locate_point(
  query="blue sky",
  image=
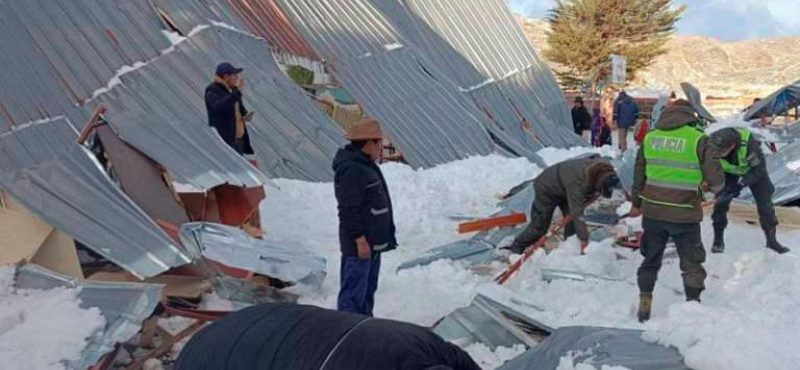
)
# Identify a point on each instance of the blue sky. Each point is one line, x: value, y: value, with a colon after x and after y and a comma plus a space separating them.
x: 729, y: 20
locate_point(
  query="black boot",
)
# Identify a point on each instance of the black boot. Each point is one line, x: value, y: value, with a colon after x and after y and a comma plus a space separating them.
x: 514, y: 248
x: 645, y: 303
x: 772, y: 240
x: 693, y: 294
x: 719, y: 241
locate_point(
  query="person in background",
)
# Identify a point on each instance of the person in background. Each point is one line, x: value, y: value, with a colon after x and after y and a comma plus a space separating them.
x: 745, y: 166
x: 366, y: 220
x: 581, y: 120
x: 673, y: 163
x: 226, y: 112
x: 625, y: 113
x: 601, y: 132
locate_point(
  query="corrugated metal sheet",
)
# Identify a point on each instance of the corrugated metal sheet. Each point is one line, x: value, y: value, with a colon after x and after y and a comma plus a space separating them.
x: 291, y: 137
x: 57, y: 53
x: 694, y: 97
x: 61, y: 183
x: 260, y: 17
x: 430, y: 123
x: 396, y: 82
x: 234, y: 247
x: 480, y: 45
x: 192, y: 155
x: 598, y: 348
x: 777, y: 103
x: 491, y: 323
x: 124, y: 307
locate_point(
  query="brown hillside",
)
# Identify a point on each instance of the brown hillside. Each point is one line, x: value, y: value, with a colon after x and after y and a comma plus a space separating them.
x: 730, y: 75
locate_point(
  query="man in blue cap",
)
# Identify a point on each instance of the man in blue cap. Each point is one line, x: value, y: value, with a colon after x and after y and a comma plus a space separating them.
x: 226, y: 112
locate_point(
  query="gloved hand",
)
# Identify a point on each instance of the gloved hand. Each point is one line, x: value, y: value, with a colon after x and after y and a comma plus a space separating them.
x: 736, y: 189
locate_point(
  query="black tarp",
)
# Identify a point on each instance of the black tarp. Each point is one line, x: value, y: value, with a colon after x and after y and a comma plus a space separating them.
x: 284, y: 336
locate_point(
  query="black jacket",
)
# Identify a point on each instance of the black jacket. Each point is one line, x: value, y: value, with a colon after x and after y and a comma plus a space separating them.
x: 365, y: 207
x: 220, y: 104
x: 581, y: 119
x: 282, y: 336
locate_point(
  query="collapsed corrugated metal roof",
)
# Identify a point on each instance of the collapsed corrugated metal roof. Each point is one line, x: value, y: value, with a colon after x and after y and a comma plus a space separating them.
x: 599, y: 348
x: 694, y: 97
x: 499, y: 69
x: 170, y: 142
x: 777, y: 103
x: 124, y: 307
x: 234, y: 247
x: 62, y: 183
x: 491, y: 323
x: 261, y: 17
x: 430, y: 123
x: 57, y: 53
x: 396, y: 83
x: 291, y: 137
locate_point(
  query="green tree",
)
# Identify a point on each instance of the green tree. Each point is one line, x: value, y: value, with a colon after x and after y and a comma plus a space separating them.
x: 584, y: 33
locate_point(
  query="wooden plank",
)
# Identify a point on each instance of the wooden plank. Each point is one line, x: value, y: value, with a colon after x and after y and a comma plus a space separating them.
x: 492, y: 222
x: 788, y: 217
x: 58, y: 254
x: 23, y: 235
x: 92, y: 124
x: 166, y: 346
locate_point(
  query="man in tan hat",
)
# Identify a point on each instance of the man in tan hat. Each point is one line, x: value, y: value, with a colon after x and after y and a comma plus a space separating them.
x: 366, y: 221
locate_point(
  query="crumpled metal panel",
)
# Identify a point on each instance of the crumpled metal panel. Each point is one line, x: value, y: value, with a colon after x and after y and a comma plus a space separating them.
x: 598, y: 347
x: 479, y: 44
x: 62, y: 183
x: 291, y: 138
x: 68, y: 49
x: 550, y: 275
x: 234, y: 247
x: 777, y: 103
x: 491, y: 323
x: 192, y: 155
x: 123, y: 305
x: 693, y: 94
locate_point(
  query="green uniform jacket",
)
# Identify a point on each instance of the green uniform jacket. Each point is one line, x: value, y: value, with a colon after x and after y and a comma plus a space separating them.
x: 672, y: 118
x: 576, y: 181
x: 756, y: 161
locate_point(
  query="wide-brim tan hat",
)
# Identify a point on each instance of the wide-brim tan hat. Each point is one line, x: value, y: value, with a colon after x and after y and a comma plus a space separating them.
x: 364, y: 129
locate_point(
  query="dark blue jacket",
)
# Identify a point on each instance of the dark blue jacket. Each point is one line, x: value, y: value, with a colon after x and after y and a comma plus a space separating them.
x: 626, y: 111
x: 365, y: 207
x: 220, y: 105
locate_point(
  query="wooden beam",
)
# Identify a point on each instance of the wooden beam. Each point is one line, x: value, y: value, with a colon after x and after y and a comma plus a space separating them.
x: 92, y: 124
x: 166, y: 346
x: 492, y: 222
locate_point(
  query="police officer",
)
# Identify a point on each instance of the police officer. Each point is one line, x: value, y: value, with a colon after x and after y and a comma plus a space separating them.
x: 672, y: 163
x: 744, y: 165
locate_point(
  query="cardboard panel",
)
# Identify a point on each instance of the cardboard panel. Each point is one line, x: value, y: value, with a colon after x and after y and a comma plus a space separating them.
x: 22, y: 235
x: 175, y: 285
x: 141, y: 179
x: 58, y: 254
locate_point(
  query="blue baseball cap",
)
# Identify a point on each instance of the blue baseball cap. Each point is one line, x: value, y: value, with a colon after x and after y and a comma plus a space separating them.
x: 224, y: 69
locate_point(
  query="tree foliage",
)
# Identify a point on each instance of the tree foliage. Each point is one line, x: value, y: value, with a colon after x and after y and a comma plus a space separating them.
x: 584, y: 33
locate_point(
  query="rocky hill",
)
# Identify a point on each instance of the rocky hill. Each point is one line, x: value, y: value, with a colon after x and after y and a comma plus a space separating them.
x: 729, y: 75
